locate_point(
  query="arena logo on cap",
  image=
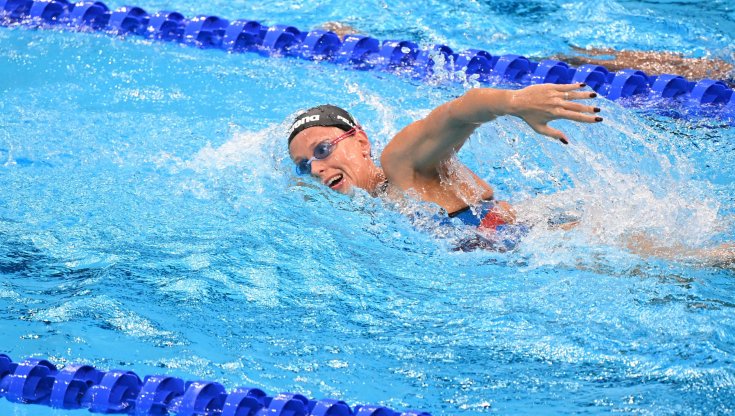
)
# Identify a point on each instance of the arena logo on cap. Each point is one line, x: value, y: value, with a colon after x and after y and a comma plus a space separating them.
x: 299, y: 123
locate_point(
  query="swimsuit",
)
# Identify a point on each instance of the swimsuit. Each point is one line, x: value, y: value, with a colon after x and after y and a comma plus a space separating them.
x: 487, y: 218
x: 493, y: 232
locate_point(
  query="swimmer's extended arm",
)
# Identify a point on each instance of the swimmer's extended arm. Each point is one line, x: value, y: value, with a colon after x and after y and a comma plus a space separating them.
x: 425, y: 144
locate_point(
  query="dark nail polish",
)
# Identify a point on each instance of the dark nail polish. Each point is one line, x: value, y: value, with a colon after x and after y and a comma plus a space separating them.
x: 563, y: 140
x: 598, y: 119
x: 593, y: 95
x: 596, y: 109
x: 582, y: 85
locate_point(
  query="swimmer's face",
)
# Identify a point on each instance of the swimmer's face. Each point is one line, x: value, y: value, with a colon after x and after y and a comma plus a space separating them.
x: 348, y: 165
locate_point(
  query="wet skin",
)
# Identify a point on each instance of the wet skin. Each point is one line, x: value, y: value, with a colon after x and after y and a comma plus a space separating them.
x: 420, y: 158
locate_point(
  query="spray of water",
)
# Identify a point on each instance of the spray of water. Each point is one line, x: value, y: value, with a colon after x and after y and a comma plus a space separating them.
x: 624, y: 185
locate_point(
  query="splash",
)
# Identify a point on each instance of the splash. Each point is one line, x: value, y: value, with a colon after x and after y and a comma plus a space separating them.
x: 630, y: 189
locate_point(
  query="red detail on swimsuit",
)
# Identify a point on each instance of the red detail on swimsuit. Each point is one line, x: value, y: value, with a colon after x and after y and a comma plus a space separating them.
x: 492, y: 220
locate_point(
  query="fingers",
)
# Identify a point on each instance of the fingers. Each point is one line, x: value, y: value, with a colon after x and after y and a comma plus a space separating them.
x: 578, y: 116
x: 559, y: 102
x: 570, y: 87
x: 567, y: 92
x: 579, y: 95
x: 551, y: 132
x: 580, y: 108
x: 576, y: 111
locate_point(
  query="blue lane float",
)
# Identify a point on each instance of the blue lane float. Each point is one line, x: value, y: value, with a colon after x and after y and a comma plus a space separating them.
x: 38, y: 381
x: 368, y: 53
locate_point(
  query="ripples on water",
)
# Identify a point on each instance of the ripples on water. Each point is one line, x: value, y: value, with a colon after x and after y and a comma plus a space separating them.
x: 150, y: 221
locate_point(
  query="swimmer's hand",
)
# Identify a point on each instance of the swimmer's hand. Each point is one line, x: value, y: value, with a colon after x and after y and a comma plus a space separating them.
x: 537, y: 105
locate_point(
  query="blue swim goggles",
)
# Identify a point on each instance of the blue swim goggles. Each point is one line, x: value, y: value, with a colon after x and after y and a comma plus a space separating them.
x: 322, y: 151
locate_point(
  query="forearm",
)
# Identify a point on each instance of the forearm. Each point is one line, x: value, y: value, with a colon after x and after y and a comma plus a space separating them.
x: 448, y: 126
x: 428, y: 142
x: 479, y: 105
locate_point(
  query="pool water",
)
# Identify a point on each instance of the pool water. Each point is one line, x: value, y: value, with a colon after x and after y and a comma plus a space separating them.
x: 151, y: 221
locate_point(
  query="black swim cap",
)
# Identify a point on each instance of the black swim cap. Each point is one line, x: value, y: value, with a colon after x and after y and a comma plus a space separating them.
x: 326, y: 115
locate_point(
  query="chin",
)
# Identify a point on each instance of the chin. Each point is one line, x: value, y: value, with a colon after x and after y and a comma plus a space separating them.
x: 345, y: 190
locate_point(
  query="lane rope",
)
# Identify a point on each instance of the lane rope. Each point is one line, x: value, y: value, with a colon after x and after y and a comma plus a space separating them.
x: 38, y: 381
x: 704, y: 98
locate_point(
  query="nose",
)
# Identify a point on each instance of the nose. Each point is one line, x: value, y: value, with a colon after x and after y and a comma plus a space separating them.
x: 317, y: 166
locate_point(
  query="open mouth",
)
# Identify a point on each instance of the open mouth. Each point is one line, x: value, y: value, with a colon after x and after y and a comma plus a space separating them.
x: 335, y: 181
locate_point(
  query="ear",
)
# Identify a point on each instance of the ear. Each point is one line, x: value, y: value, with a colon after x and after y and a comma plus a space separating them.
x: 362, y: 139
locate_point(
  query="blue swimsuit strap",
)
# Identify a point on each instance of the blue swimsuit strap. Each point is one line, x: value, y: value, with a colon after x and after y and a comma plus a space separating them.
x: 504, y: 237
x: 467, y: 215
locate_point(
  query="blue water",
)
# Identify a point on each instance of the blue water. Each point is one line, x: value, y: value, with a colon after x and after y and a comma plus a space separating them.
x: 150, y: 221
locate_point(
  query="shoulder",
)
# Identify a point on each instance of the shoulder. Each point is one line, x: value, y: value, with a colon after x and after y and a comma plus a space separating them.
x: 397, y: 157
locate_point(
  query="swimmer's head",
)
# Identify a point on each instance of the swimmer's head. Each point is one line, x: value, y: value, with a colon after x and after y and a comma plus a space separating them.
x: 327, y: 143
x: 326, y: 115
